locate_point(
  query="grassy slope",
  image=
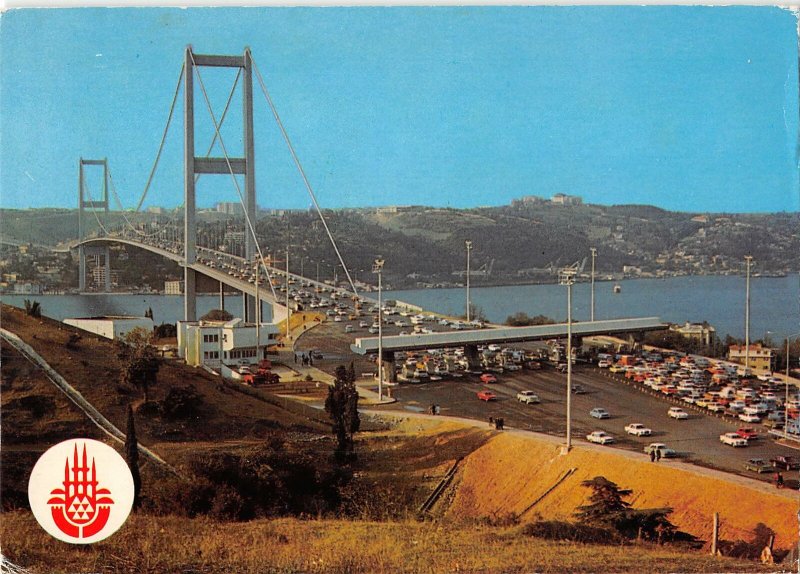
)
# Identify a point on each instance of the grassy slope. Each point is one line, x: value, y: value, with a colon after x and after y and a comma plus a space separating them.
x: 510, y: 472
x: 167, y: 545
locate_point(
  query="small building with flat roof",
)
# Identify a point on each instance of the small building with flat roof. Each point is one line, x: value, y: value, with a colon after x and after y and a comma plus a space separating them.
x: 214, y: 343
x: 110, y: 326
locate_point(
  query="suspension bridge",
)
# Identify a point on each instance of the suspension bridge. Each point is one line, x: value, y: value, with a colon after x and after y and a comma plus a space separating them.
x: 176, y: 239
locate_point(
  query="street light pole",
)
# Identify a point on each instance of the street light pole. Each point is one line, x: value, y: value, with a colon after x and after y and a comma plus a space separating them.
x: 749, y: 260
x: 288, y: 311
x: 567, y: 277
x: 468, y: 243
x: 594, y: 255
x: 258, y: 313
x: 378, y: 268
x: 786, y: 389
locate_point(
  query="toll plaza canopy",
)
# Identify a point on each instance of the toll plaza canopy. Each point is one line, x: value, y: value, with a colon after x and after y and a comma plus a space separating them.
x: 416, y: 342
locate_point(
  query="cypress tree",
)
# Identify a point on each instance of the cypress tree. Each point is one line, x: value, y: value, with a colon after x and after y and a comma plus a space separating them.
x: 132, y: 457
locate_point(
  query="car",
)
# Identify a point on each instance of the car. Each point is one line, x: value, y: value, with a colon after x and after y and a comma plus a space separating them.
x: 528, y: 397
x: 732, y: 439
x: 245, y: 370
x: 337, y: 319
x: 373, y: 330
x: 578, y: 390
x: 665, y: 451
x: 487, y: 396
x: 749, y: 418
x: 758, y: 465
x: 348, y: 328
x: 600, y: 437
x: 638, y: 429
x: 487, y: 378
x: 599, y: 413
x: 785, y: 463
x: 603, y: 363
x: 677, y: 413
x: 747, y: 432
x: 363, y: 324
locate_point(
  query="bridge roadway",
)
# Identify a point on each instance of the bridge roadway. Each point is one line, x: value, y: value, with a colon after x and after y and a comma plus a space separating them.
x: 505, y: 335
x: 264, y: 292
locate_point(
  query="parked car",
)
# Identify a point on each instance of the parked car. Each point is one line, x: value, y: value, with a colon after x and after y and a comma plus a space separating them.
x: 244, y: 370
x: 600, y: 437
x: 677, y: 413
x: 528, y: 397
x: 748, y: 418
x: 599, y: 413
x: 758, y: 465
x: 487, y: 396
x: 348, y: 329
x: 747, y: 433
x: 487, y: 378
x: 785, y: 463
x: 578, y: 390
x: 603, y: 363
x: 665, y: 451
x: 638, y: 429
x: 732, y: 439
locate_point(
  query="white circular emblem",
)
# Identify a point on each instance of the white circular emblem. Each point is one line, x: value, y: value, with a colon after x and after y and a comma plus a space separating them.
x: 81, y: 491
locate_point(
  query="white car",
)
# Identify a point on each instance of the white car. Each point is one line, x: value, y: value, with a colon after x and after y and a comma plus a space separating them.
x: 528, y: 397
x: 638, y: 429
x: 660, y: 447
x: 599, y: 413
x: 603, y: 363
x: 677, y: 413
x: 600, y: 437
x: 749, y: 418
x: 732, y: 439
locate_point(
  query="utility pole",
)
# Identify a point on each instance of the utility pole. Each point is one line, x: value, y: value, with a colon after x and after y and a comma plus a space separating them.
x: 567, y: 277
x: 377, y: 267
x: 594, y: 255
x: 258, y: 313
x: 749, y: 260
x: 468, y: 243
x: 288, y: 311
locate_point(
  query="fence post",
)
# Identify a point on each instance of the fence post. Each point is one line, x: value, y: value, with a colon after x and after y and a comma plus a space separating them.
x: 715, y: 534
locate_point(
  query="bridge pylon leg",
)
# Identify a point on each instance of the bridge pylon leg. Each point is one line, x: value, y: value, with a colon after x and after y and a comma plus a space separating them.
x: 189, y: 294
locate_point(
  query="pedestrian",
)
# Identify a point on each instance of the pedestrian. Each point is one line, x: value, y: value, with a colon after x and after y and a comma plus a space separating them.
x: 658, y: 455
x: 491, y: 421
x: 652, y: 456
x: 778, y: 480
x: 295, y: 358
x: 437, y: 409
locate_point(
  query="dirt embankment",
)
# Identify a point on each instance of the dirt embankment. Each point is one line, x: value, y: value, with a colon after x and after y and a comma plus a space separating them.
x: 510, y: 472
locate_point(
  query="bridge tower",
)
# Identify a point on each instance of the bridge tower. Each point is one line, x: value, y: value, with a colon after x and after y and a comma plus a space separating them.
x: 216, y: 165
x: 84, y: 205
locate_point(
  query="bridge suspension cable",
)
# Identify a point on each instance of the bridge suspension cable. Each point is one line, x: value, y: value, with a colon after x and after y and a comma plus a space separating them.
x: 302, y: 173
x: 235, y: 181
x: 163, y: 139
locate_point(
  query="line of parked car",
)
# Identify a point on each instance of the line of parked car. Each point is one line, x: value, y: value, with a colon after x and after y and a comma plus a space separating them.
x: 716, y: 386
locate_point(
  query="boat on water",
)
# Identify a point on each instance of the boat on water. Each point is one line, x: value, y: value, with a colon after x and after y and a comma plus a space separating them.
x: 617, y: 288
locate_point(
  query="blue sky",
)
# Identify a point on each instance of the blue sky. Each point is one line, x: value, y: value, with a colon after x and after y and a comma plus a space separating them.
x: 687, y: 108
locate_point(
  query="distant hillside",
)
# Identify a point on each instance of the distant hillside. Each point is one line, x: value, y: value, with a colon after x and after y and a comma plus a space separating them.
x: 520, y: 243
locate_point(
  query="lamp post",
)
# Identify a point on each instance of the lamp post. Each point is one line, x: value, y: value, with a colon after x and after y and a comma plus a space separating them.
x: 566, y: 277
x: 258, y: 312
x: 786, y: 389
x: 749, y: 260
x: 288, y: 311
x: 377, y: 267
x: 594, y: 255
x: 468, y: 243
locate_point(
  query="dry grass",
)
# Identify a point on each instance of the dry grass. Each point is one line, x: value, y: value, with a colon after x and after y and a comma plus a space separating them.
x: 167, y: 545
x: 510, y: 472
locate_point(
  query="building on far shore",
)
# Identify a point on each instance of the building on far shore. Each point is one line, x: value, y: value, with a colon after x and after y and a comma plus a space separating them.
x: 702, y: 332
x: 173, y: 287
x: 111, y: 327
x: 564, y: 199
x: 759, y: 358
x: 214, y: 343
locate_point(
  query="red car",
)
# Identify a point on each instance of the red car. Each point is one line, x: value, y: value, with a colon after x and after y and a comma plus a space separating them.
x: 487, y: 396
x: 747, y: 432
x: 487, y: 378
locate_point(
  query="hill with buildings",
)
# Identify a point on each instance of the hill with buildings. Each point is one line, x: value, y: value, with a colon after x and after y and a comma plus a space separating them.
x: 525, y: 242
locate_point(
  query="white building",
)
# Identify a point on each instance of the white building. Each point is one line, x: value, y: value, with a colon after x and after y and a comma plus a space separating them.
x: 173, y: 287
x: 111, y: 327
x: 213, y: 343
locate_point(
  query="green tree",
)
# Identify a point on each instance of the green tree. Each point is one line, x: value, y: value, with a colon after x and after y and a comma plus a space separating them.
x: 342, y: 407
x: 523, y: 320
x: 606, y: 504
x: 132, y: 456
x: 33, y: 308
x: 217, y: 315
x: 138, y: 360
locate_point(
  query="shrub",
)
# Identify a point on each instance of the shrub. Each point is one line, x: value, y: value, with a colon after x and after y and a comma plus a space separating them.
x: 181, y: 403
x: 558, y: 530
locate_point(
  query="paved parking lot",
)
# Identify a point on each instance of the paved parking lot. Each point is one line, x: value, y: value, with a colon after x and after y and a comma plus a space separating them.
x: 695, y: 440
